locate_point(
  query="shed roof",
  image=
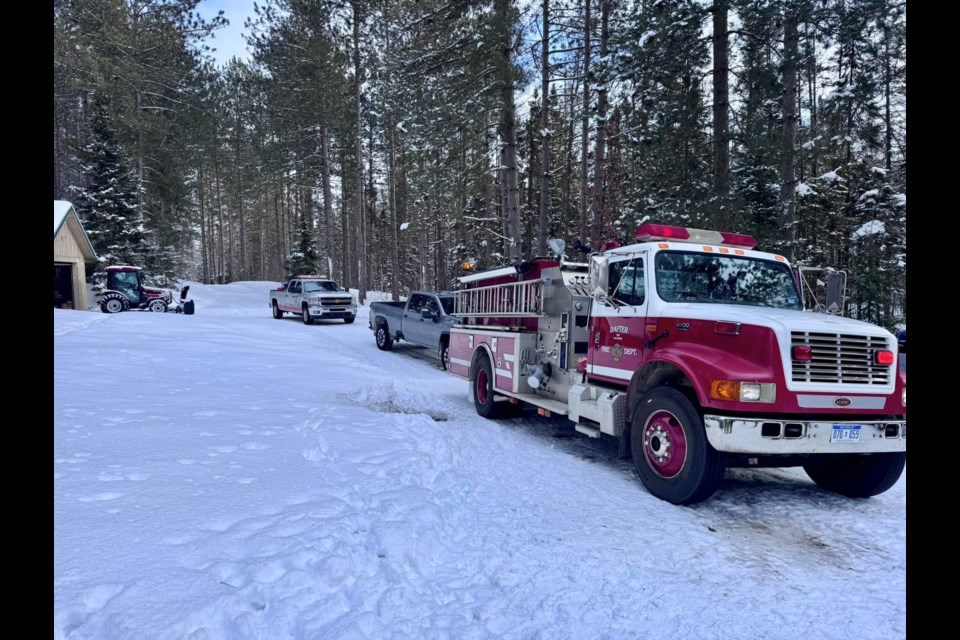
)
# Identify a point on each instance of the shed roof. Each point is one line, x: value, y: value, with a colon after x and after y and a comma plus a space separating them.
x: 63, y: 211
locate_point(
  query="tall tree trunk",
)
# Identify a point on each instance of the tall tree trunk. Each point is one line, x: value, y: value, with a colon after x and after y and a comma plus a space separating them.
x: 721, y: 122
x: 392, y: 201
x: 222, y: 262
x: 887, y: 81
x: 279, y: 223
x: 585, y: 142
x: 361, y: 253
x: 204, y: 266
x: 812, y: 93
x: 424, y: 248
x: 787, y: 180
x: 545, y: 136
x: 327, y: 201
x: 242, y: 271
x: 508, y: 132
x: 600, y: 154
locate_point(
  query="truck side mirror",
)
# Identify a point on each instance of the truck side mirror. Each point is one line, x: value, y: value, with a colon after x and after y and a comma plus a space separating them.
x: 836, y: 291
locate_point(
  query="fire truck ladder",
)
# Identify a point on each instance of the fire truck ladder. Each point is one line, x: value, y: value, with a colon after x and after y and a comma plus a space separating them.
x: 502, y: 300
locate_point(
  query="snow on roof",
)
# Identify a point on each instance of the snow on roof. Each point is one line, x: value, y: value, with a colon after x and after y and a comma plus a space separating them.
x: 60, y: 210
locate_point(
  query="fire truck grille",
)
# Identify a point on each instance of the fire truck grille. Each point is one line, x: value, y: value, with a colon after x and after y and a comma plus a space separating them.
x: 336, y: 302
x: 841, y: 358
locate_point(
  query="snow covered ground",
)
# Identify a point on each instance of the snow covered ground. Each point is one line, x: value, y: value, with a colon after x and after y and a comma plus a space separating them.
x: 228, y: 475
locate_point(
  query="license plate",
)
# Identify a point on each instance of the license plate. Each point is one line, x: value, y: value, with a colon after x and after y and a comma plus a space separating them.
x: 845, y: 433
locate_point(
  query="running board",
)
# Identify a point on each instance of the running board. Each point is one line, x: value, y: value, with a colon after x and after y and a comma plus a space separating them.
x: 586, y: 429
x: 552, y: 406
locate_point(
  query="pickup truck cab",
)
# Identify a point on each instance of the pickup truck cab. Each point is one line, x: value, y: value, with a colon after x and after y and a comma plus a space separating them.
x: 313, y: 298
x: 424, y: 319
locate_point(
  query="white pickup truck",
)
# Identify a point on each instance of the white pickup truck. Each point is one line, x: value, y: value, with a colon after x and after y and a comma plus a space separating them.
x: 313, y: 298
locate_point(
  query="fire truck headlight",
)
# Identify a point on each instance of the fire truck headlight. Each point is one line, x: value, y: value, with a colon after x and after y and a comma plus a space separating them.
x: 749, y: 392
x: 734, y: 391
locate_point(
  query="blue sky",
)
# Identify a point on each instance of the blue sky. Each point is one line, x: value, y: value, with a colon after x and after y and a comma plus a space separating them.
x: 228, y: 41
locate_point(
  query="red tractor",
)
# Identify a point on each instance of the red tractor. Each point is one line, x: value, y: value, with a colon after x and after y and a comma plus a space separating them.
x: 125, y: 291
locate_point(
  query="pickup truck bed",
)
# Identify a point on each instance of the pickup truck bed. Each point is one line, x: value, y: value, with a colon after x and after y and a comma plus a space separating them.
x: 424, y: 319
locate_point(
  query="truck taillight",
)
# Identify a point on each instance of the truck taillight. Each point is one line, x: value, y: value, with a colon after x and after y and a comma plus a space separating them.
x: 802, y: 353
x: 884, y: 357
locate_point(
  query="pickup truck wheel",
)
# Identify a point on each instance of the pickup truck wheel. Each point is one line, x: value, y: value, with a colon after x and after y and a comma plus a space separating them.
x: 857, y: 476
x: 482, y: 381
x: 307, y: 318
x: 445, y: 356
x: 671, y: 453
x: 384, y: 341
x: 277, y: 313
x: 349, y: 320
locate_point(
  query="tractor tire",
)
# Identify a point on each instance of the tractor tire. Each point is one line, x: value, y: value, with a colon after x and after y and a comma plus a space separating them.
x: 384, y: 341
x: 857, y: 476
x: 114, y: 303
x: 671, y: 453
x: 157, y: 306
x: 277, y: 313
x: 305, y: 315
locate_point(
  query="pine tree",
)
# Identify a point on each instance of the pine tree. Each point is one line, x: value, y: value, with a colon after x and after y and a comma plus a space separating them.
x: 109, y: 204
x: 305, y: 259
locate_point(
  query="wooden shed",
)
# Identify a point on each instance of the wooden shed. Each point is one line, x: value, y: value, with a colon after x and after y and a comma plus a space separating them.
x: 72, y: 250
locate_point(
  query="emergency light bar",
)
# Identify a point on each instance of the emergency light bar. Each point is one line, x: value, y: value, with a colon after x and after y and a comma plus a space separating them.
x: 686, y: 234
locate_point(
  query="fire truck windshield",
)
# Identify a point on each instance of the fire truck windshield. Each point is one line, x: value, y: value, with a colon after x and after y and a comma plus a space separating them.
x: 725, y: 279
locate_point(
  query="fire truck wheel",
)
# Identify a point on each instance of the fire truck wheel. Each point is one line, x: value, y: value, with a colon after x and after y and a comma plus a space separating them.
x: 384, y: 341
x: 277, y: 313
x: 307, y: 318
x: 670, y: 449
x: 857, y: 476
x: 482, y: 381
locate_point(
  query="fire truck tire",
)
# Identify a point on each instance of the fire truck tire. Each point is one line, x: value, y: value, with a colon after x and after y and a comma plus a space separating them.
x: 157, y: 306
x: 857, y: 476
x: 671, y: 453
x: 305, y: 314
x: 482, y: 380
x: 384, y: 341
x: 113, y: 303
x: 277, y: 313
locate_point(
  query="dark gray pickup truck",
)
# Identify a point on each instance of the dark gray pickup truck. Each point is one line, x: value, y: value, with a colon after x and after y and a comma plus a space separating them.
x: 424, y: 319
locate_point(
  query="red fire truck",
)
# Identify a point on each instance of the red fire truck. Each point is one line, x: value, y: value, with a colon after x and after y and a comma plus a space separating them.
x: 694, y: 349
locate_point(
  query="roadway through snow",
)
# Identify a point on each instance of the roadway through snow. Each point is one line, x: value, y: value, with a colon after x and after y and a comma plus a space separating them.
x: 227, y: 475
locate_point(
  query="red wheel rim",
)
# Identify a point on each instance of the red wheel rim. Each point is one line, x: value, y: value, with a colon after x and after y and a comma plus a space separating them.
x: 482, y: 386
x: 664, y: 444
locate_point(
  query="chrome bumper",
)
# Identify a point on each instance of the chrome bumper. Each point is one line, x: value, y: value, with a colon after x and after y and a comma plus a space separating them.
x: 779, y: 436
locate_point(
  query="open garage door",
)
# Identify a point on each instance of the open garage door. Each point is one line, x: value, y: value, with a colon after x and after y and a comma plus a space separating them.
x: 63, y: 286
